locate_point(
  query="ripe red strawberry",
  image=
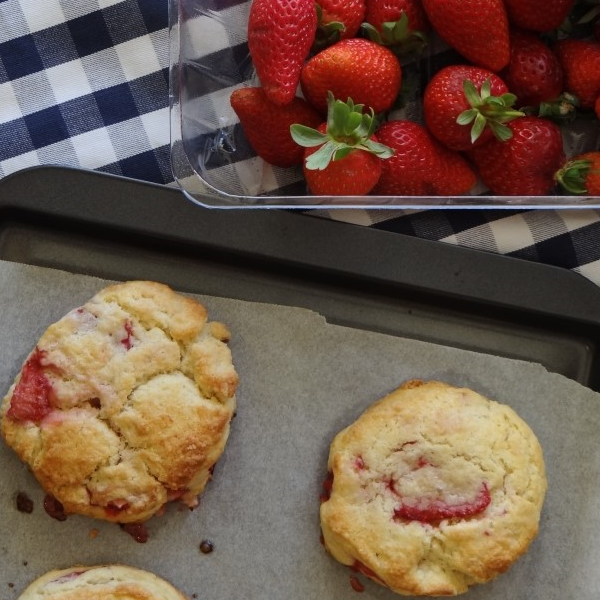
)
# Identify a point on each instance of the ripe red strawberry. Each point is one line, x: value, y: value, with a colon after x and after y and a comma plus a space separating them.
x: 338, y: 20
x: 477, y: 29
x: 280, y: 36
x: 534, y: 74
x: 580, y: 61
x: 581, y: 174
x: 421, y: 166
x: 342, y: 157
x: 538, y: 15
x: 525, y: 164
x: 357, y: 68
x: 267, y: 126
x: 460, y: 95
x: 401, y: 24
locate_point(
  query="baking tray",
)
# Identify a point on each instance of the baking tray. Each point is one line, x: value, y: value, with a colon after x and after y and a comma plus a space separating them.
x: 117, y: 228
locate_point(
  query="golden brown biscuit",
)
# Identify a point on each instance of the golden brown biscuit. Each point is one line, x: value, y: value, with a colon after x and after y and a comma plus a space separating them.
x: 125, y: 403
x: 102, y: 582
x: 433, y: 489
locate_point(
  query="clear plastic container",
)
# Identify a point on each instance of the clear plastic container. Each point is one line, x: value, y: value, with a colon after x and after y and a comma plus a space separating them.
x: 211, y: 159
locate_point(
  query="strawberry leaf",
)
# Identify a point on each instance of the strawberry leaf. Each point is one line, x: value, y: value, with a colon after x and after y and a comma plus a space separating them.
x: 486, y: 89
x: 338, y: 113
x: 341, y: 152
x: 478, y: 127
x: 326, y: 34
x: 365, y: 128
x: 397, y: 35
x: 380, y: 150
x: 353, y: 122
x: 306, y: 136
x: 371, y: 33
x: 590, y: 15
x: 322, y: 157
x: 471, y: 93
x: 467, y: 116
x: 502, y: 132
x: 508, y: 99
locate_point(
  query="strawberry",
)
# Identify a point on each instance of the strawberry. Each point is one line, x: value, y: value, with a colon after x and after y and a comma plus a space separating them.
x: 338, y: 20
x: 267, y: 126
x: 538, y: 15
x: 356, y: 68
x: 280, y: 36
x: 342, y: 157
x: 580, y: 61
x: 477, y: 29
x: 581, y: 174
x: 459, y: 95
x: 525, y: 164
x: 401, y: 24
x: 534, y: 74
x: 421, y: 166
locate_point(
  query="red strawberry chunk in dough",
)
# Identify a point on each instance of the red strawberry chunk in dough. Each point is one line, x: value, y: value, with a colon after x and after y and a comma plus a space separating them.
x: 429, y: 510
x: 33, y: 396
x: 126, y: 341
x: 68, y: 577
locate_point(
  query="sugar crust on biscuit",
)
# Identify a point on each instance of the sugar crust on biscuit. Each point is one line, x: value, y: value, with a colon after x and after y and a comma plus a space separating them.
x: 433, y: 489
x: 125, y: 403
x: 101, y: 582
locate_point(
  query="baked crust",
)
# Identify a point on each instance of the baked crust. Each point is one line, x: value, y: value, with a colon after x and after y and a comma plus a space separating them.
x: 125, y: 403
x: 102, y: 582
x: 435, y: 488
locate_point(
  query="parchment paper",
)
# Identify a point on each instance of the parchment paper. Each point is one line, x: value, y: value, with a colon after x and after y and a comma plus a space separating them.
x: 301, y: 381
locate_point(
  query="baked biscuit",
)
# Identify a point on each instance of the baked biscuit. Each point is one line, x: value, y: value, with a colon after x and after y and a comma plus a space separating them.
x: 102, y: 582
x: 125, y: 403
x: 433, y: 489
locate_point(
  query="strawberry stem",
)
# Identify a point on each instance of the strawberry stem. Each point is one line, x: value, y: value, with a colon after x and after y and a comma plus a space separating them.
x: 562, y: 110
x: 348, y: 128
x: 488, y: 111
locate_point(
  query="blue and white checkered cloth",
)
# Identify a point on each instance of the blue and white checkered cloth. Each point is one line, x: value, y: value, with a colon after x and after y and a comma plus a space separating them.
x: 84, y: 83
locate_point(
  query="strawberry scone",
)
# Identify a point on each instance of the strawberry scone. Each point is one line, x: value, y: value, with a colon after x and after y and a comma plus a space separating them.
x: 433, y: 489
x: 125, y: 403
x: 102, y: 582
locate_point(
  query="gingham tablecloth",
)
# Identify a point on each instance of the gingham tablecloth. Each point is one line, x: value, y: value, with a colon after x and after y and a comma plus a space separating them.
x: 84, y: 83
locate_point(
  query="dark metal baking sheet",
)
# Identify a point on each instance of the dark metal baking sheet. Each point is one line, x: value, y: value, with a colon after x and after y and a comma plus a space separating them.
x: 112, y: 227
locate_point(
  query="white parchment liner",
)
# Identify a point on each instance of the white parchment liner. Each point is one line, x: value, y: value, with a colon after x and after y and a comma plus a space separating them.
x: 301, y: 381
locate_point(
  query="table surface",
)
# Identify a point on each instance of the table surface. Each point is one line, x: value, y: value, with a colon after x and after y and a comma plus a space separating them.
x: 85, y: 84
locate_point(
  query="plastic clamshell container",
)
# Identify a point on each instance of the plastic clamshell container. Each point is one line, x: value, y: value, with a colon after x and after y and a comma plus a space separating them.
x: 215, y: 166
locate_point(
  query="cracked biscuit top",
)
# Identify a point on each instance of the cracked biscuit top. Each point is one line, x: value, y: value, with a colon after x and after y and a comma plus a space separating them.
x: 125, y: 403
x: 101, y: 582
x: 433, y: 489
